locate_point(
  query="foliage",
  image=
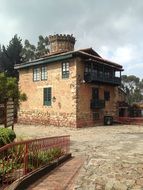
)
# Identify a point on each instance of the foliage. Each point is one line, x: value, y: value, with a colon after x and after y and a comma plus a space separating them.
x: 6, y: 172
x: 13, y: 161
x: 9, y: 89
x: 35, y: 160
x: 6, y: 136
x: 41, y: 158
x: 42, y: 46
x: 16, y: 53
x: 31, y: 52
x: 7, y: 168
x: 28, y: 51
x: 11, y: 55
x: 133, y: 87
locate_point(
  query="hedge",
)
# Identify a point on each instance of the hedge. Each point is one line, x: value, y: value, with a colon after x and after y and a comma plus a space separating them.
x: 6, y: 136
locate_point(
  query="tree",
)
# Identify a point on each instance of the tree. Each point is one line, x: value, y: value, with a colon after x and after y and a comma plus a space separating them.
x: 133, y: 87
x: 9, y: 89
x: 1, y: 64
x: 31, y: 52
x: 42, y: 46
x: 28, y: 51
x: 15, y: 53
x: 10, y: 56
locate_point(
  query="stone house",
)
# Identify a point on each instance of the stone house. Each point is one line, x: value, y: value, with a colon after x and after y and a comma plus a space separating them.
x: 68, y: 87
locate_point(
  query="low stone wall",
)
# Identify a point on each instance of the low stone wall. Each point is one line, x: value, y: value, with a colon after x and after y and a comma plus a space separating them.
x: 130, y: 120
x: 88, y: 123
x: 57, y: 119
x: 46, y: 118
x: 85, y: 119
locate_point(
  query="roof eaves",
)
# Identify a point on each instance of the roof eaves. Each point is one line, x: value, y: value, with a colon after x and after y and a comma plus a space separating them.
x: 45, y: 60
x: 91, y: 50
x: 101, y: 59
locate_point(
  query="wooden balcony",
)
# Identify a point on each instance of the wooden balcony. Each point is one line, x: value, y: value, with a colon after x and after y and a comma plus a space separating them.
x: 97, y: 104
x: 93, y: 78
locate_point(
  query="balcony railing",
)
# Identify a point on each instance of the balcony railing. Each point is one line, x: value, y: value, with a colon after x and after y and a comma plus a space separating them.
x: 91, y: 77
x: 97, y: 104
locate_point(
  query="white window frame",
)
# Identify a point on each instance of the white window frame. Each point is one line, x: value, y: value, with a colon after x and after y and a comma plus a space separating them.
x: 44, y: 73
x: 36, y: 74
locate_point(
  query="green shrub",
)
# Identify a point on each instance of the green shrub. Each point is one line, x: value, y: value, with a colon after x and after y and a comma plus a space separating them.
x: 44, y: 157
x: 6, y: 136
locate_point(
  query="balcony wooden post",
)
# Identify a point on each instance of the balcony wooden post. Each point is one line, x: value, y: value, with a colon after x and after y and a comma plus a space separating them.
x: 103, y: 72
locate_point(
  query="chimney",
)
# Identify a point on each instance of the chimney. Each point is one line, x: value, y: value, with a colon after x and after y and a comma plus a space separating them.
x: 61, y: 43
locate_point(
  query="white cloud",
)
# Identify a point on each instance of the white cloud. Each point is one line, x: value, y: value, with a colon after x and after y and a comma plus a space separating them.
x: 129, y: 56
x: 113, y: 28
x: 8, y: 28
x: 123, y: 54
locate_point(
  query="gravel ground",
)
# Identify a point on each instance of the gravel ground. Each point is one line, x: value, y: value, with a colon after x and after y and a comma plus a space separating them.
x: 113, y: 154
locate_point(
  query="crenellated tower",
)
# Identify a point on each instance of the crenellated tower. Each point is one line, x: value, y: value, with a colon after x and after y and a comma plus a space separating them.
x: 61, y: 43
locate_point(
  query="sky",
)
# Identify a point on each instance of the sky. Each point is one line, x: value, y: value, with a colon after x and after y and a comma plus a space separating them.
x: 113, y: 28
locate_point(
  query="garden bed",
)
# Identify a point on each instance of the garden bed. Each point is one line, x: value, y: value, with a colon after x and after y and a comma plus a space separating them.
x: 32, y: 177
x: 19, y: 159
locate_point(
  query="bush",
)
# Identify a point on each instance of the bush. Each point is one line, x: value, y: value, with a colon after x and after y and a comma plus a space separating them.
x: 6, y: 136
x: 42, y: 158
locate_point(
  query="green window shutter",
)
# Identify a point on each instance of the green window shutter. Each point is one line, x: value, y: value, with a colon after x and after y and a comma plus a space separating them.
x: 47, y: 96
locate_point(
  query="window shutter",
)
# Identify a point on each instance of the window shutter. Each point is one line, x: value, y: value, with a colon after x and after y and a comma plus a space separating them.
x: 47, y: 96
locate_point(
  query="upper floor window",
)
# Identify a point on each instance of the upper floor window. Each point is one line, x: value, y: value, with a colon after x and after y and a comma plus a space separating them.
x: 36, y: 74
x: 87, y: 68
x: 94, y: 71
x: 100, y: 71
x: 106, y: 95
x: 43, y: 73
x: 65, y: 70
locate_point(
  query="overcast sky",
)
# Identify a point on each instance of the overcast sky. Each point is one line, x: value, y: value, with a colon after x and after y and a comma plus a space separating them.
x: 113, y: 28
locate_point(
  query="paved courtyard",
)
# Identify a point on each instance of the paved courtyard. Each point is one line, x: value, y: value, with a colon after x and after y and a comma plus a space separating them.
x: 113, y: 154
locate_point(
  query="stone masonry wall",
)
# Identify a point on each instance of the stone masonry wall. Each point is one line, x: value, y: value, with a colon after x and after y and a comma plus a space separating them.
x: 84, y: 93
x: 62, y: 112
x: 73, y: 96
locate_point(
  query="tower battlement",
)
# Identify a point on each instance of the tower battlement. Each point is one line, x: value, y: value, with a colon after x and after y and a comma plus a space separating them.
x: 61, y: 43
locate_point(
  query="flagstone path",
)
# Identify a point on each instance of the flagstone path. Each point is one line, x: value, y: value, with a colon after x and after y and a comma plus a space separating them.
x: 113, y: 155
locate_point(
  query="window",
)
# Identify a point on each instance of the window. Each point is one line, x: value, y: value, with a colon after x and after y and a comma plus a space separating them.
x: 40, y: 73
x: 65, y: 70
x: 94, y: 71
x: 95, y: 93
x: 47, y: 96
x: 43, y: 73
x: 88, y: 68
x: 36, y: 74
x: 106, y: 95
x: 100, y: 71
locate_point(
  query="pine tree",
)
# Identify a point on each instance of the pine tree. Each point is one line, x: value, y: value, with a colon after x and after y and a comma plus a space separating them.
x: 11, y: 55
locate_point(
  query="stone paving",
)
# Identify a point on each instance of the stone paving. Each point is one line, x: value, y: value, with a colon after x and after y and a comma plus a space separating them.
x: 113, y: 155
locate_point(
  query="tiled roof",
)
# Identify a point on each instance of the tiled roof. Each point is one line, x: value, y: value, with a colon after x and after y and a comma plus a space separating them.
x: 85, y: 53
